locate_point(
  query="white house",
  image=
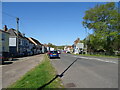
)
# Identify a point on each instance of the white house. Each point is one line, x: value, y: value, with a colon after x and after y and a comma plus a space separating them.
x: 78, y: 47
x: 4, y: 45
x: 68, y: 49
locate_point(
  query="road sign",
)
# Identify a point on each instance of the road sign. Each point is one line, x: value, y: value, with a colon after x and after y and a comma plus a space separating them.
x: 80, y: 45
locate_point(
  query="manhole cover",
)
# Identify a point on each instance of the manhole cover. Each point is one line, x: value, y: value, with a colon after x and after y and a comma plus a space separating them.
x: 70, y: 85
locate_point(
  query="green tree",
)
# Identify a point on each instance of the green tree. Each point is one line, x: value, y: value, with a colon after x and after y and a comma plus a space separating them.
x: 104, y: 21
x: 51, y: 45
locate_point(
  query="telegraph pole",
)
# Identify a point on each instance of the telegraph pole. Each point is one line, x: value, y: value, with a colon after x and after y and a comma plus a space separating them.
x: 86, y: 40
x: 17, y: 19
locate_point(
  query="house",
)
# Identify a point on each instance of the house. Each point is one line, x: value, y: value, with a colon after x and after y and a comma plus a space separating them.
x: 31, y: 46
x: 25, y: 44
x: 78, y: 46
x: 68, y: 49
x: 4, y: 45
x: 37, y: 48
x: 47, y: 48
x: 43, y: 49
x: 18, y: 44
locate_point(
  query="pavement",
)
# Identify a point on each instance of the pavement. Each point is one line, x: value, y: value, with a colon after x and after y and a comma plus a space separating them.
x: 13, y: 70
x: 87, y: 72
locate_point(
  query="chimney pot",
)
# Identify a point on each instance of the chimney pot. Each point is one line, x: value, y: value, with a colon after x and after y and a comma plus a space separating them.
x: 5, y: 28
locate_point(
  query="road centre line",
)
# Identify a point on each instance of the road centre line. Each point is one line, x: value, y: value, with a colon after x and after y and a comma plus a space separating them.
x: 97, y: 59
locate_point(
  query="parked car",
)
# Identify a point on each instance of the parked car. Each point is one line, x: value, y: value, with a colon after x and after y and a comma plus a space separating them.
x: 59, y: 52
x: 67, y: 51
x: 53, y: 54
x: 29, y: 53
x: 21, y: 54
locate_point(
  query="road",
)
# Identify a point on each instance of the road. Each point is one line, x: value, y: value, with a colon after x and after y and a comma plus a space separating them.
x: 13, y: 70
x: 88, y: 72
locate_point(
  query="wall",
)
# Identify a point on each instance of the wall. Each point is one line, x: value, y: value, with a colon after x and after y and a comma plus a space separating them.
x: 4, y: 42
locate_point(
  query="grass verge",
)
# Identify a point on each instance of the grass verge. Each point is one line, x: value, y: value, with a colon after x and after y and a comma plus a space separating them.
x: 38, y: 76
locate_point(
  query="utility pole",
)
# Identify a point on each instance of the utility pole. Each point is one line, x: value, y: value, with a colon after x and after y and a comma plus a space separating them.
x: 17, y: 19
x: 86, y: 47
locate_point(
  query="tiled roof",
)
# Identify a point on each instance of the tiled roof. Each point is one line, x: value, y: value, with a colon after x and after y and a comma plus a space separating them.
x: 45, y: 45
x: 13, y: 32
x: 4, y: 31
x: 77, y: 41
x: 36, y: 42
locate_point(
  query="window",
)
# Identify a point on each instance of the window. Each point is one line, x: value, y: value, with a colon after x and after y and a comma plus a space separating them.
x: 3, y: 48
x: 3, y: 37
x: 20, y: 41
x: 53, y: 51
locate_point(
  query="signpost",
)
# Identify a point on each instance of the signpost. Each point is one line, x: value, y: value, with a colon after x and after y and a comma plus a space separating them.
x: 80, y: 46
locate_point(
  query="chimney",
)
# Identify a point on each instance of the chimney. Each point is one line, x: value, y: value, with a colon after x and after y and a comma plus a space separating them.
x: 5, y: 28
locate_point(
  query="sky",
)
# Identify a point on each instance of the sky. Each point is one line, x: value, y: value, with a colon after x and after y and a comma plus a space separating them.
x: 59, y: 23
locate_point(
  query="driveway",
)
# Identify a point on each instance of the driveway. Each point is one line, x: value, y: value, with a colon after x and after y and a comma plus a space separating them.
x: 13, y: 70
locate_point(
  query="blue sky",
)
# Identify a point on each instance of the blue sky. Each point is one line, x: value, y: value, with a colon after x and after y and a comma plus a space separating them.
x: 59, y: 23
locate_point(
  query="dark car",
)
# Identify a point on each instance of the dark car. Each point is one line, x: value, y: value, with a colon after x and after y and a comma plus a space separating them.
x: 53, y: 54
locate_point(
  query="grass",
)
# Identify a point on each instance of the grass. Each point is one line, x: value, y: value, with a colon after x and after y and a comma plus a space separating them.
x: 38, y: 76
x: 97, y: 55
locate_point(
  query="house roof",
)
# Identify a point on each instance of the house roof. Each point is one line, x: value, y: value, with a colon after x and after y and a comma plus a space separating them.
x: 13, y: 32
x: 29, y: 40
x: 77, y: 41
x: 68, y: 47
x: 36, y: 42
x: 45, y: 45
x: 4, y: 31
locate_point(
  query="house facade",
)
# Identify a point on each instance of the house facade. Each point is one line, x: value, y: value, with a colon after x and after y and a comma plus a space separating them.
x: 47, y: 48
x: 18, y: 43
x: 31, y: 47
x: 68, y: 49
x: 4, y: 45
x: 78, y: 46
x: 37, y: 48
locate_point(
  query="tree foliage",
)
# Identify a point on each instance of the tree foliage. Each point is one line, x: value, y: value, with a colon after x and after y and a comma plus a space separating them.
x: 104, y: 21
x: 55, y: 47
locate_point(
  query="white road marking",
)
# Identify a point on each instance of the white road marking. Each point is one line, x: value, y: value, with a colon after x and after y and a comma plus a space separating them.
x: 97, y: 59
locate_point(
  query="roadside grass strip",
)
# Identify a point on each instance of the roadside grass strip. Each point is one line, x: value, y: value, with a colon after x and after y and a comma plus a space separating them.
x: 39, y: 76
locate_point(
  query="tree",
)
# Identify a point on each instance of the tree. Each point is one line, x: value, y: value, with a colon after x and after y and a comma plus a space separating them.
x: 52, y: 46
x: 104, y: 21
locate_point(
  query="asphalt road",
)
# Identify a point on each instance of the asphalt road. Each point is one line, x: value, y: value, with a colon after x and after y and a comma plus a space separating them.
x: 88, y: 72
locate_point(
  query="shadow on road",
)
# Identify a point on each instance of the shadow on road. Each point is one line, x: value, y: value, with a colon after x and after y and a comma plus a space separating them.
x: 14, y: 59
x: 6, y: 63
x: 55, y: 58
x: 49, y: 82
x: 61, y: 75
